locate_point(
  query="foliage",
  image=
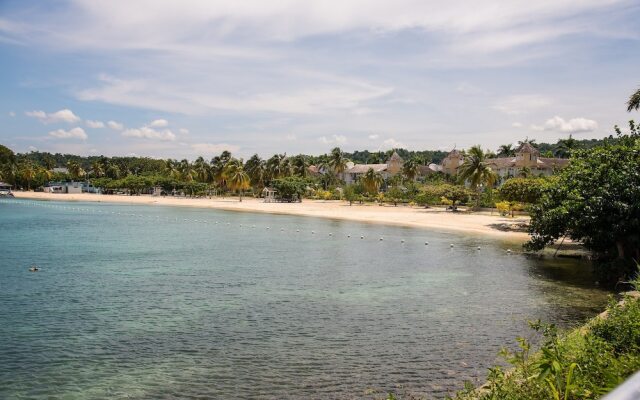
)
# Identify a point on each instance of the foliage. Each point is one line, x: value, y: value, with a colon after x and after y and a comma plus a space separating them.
x: 523, y: 190
x: 581, y: 364
x: 595, y: 200
x: 290, y: 188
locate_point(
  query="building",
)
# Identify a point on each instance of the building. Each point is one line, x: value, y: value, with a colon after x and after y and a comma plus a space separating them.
x: 392, y: 167
x: 527, y: 158
x: 64, y: 187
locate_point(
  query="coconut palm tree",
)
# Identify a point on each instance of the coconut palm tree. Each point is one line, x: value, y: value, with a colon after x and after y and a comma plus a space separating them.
x: 278, y: 166
x: 236, y: 177
x: 337, y: 161
x: 45, y: 173
x: 28, y: 173
x: 634, y: 101
x: 187, y: 173
x: 300, y: 166
x: 506, y: 150
x: 97, y: 168
x: 475, y: 170
x: 565, y: 147
x: 410, y: 169
x: 202, y: 170
x: 372, y: 181
x: 75, y: 170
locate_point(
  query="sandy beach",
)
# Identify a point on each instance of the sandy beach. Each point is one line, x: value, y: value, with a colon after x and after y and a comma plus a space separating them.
x: 480, y: 223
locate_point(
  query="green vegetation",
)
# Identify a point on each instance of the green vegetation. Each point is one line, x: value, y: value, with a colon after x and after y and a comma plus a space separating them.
x: 596, y: 201
x: 583, y: 363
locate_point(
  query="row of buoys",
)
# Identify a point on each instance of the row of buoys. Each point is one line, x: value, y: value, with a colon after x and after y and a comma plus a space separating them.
x: 41, y: 204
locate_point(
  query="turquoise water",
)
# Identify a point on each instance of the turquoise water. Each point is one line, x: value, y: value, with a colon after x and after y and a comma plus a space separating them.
x: 148, y: 302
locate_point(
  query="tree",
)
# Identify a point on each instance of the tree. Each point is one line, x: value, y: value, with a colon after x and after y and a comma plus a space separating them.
x: 595, y: 200
x: 506, y: 150
x: 256, y: 168
x: 337, y: 161
x: 97, y: 168
x: 565, y: 147
x: 634, y: 101
x: 455, y: 193
x: 28, y: 173
x: 236, y: 177
x: 410, y: 169
x: 300, y: 166
x: 475, y: 170
x: 290, y: 188
x: 202, y: 170
x: 372, y: 181
x: 75, y: 170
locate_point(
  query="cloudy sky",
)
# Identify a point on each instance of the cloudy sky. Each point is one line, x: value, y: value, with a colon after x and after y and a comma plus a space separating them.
x: 187, y: 78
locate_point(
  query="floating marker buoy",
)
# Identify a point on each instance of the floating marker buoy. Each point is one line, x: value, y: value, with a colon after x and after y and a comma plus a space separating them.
x: 508, y: 250
x: 313, y: 232
x: 381, y: 239
x: 478, y: 247
x: 361, y: 237
x: 402, y: 241
x: 297, y: 230
x: 348, y: 236
x: 426, y: 243
x: 330, y: 234
x: 451, y: 245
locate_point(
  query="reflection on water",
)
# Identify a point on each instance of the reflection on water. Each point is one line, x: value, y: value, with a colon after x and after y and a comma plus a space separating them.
x: 153, y: 302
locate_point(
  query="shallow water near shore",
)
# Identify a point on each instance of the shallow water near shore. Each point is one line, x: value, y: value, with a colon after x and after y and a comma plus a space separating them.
x: 166, y: 302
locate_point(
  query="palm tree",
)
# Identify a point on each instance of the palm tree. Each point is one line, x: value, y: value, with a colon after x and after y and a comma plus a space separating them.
x: 278, y: 166
x: 98, y: 169
x: 565, y: 147
x: 28, y: 173
x: 236, y: 177
x: 256, y: 168
x: 410, y: 169
x: 506, y: 150
x: 113, y: 171
x: 75, y: 170
x: 45, y: 173
x: 634, y: 101
x: 300, y: 166
x: 186, y: 170
x: 49, y: 162
x: 202, y: 170
x: 372, y: 181
x: 337, y: 161
x: 475, y: 170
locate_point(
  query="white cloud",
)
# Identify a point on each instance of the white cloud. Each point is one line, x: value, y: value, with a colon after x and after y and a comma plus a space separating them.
x: 146, y: 132
x: 33, y: 148
x: 116, y: 126
x: 393, y: 144
x: 64, y: 115
x: 12, y: 114
x: 522, y: 104
x: 159, y: 123
x: 517, y: 125
x: 94, y: 124
x: 574, y: 125
x: 334, y: 139
x: 374, y: 137
x: 211, y: 148
x: 75, y: 133
x: 183, y: 131
x: 291, y: 137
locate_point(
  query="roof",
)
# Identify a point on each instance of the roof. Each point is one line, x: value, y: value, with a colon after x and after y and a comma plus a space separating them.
x: 502, y: 162
x: 3, y: 184
x: 363, y: 168
x: 454, y: 152
x: 395, y: 157
x: 61, y: 170
x: 526, y: 147
x: 553, y: 162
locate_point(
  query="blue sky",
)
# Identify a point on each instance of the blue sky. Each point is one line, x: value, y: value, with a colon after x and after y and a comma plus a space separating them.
x: 187, y: 78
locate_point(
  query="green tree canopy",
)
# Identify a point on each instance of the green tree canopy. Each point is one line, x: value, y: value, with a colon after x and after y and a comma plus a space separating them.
x: 595, y: 200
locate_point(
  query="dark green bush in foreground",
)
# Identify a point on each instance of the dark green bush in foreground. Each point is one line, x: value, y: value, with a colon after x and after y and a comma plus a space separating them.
x: 581, y: 364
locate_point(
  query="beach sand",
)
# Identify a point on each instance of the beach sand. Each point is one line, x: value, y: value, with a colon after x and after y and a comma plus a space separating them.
x: 480, y: 223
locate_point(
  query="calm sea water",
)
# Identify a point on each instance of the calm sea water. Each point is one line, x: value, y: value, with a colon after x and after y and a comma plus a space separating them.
x: 144, y: 302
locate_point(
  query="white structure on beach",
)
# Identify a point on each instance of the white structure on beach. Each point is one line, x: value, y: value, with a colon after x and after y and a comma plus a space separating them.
x: 392, y: 167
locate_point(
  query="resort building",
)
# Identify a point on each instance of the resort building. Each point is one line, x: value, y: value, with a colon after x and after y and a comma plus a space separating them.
x: 527, y: 158
x: 392, y: 167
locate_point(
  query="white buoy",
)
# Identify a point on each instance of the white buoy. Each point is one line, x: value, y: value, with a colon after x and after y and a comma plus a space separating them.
x: 267, y: 227
x: 381, y: 239
x: 426, y: 243
x: 361, y: 237
x: 478, y: 247
x: 451, y: 245
x: 348, y: 236
x: 508, y: 250
x: 330, y: 234
x: 313, y: 232
x: 297, y: 230
x: 402, y: 241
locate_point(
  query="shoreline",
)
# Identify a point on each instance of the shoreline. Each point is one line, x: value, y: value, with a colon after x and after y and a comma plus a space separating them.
x: 480, y: 223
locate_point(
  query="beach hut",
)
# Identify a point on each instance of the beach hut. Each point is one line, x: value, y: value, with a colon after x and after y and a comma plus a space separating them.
x: 269, y: 195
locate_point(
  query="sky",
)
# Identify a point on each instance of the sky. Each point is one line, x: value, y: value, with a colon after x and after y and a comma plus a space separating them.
x: 184, y: 78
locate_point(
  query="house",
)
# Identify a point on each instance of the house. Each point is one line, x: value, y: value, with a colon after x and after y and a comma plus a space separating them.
x: 5, y: 190
x: 527, y: 158
x: 64, y: 187
x: 392, y: 167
